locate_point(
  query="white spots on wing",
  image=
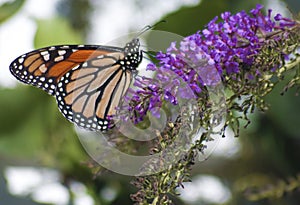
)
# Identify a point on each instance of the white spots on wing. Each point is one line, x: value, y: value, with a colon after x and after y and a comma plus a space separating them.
x: 44, y: 53
x: 85, y: 64
x: 62, y: 52
x: 46, y: 57
x: 59, y: 58
x: 74, y: 68
x: 43, y: 68
x: 65, y: 47
x: 67, y: 75
x: 21, y: 60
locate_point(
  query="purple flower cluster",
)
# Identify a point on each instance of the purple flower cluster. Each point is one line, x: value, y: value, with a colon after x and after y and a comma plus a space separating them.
x: 151, y: 94
x: 223, y: 48
x: 229, y: 44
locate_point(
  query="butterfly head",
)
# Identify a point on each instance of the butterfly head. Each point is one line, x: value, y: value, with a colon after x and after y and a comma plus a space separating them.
x: 133, y: 54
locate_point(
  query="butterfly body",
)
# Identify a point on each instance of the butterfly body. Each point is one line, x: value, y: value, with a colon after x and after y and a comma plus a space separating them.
x: 88, y: 81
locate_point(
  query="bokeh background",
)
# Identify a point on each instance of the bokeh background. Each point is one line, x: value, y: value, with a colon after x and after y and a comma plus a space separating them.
x: 41, y: 159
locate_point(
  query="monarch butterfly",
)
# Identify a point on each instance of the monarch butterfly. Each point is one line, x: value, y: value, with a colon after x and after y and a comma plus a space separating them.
x: 88, y: 81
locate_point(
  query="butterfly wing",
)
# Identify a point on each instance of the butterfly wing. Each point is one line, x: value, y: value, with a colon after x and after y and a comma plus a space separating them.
x: 88, y: 81
x: 44, y: 67
x: 91, y: 91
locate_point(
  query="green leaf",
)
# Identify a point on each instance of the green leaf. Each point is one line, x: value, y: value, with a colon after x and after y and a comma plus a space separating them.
x: 189, y: 20
x: 8, y: 9
x: 21, y: 127
x: 285, y: 110
x: 55, y: 31
x: 32, y: 127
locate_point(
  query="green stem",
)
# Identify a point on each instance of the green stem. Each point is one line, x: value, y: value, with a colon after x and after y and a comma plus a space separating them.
x: 289, y: 66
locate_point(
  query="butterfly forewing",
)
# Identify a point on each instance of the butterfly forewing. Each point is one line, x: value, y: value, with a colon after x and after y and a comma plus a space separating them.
x: 44, y: 67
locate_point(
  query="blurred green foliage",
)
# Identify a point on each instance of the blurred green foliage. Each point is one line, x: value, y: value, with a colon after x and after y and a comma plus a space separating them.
x: 8, y: 9
x: 189, y: 20
x: 33, y: 132
x: 78, y: 14
x: 55, y: 31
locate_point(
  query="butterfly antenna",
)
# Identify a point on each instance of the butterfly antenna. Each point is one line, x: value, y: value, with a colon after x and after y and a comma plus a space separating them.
x: 149, y: 27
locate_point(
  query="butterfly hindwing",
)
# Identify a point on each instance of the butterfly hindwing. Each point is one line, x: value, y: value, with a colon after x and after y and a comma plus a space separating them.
x: 89, y: 93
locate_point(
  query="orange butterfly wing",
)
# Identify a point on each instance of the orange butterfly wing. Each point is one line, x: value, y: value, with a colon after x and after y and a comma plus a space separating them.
x: 89, y: 93
x: 88, y: 81
x: 44, y: 67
